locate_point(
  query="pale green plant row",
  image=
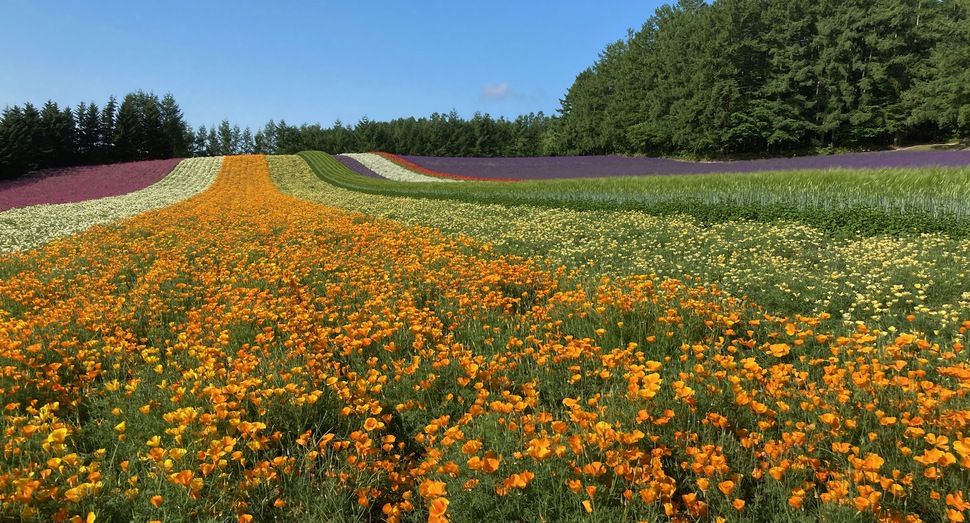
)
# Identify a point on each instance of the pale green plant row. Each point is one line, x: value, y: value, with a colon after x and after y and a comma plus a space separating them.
x: 786, y: 267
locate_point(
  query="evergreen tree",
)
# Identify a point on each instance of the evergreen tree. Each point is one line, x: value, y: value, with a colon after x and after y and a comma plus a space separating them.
x: 666, y: 121
x: 176, y: 130
x: 246, y: 144
x: 200, y: 145
x: 783, y: 109
x: 899, y: 43
x: 259, y: 143
x: 265, y: 139
x: 56, y: 145
x: 106, y: 144
x: 235, y: 140
x: 19, y: 130
x: 153, y: 142
x: 212, y: 143
x: 128, y: 132
x: 342, y: 139
x: 941, y: 91
x: 769, y: 76
x: 88, y: 118
x: 227, y: 144
x: 369, y: 136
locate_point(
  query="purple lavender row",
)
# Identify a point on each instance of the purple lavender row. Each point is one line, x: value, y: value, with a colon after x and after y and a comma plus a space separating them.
x: 357, y: 167
x: 600, y: 166
x: 77, y: 184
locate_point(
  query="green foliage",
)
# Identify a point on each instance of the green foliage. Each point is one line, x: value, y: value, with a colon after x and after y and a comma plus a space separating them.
x: 766, y: 77
x: 88, y: 119
x: 178, y: 135
x: 142, y: 128
x: 148, y: 128
x: 126, y: 137
x: 222, y: 140
x: 941, y: 95
x: 56, y: 144
x: 438, y: 135
x: 19, y: 132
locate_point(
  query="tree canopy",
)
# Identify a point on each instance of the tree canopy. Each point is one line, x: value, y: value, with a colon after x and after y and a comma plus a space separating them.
x: 775, y: 76
x: 143, y: 127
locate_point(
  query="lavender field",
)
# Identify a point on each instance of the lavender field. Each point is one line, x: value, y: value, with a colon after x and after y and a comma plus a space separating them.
x: 545, y: 168
x: 76, y: 184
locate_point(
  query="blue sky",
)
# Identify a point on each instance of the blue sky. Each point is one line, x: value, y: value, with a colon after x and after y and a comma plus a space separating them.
x: 309, y: 62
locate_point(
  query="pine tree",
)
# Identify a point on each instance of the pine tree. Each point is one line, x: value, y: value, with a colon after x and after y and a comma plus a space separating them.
x: 88, y: 118
x: 235, y: 140
x: 174, y: 127
x: 127, y: 137
x: 200, y: 146
x: 56, y: 146
x: 246, y: 142
x: 783, y: 107
x: 19, y: 132
x: 265, y: 140
x: 226, y: 143
x: 213, y: 147
x: 153, y: 141
x: 107, y: 136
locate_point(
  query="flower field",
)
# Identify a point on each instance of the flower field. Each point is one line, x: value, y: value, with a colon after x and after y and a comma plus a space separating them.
x: 787, y: 267
x: 27, y: 227
x: 841, y: 201
x: 82, y: 183
x: 249, y: 354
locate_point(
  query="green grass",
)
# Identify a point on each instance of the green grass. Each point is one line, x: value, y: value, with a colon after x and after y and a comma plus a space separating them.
x: 840, y: 202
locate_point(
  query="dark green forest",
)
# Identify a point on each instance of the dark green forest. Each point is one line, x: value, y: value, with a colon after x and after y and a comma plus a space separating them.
x: 770, y: 77
x: 142, y: 127
x: 725, y: 79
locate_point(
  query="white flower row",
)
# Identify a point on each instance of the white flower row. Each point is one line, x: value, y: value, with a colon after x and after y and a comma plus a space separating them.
x: 391, y: 170
x: 28, y: 227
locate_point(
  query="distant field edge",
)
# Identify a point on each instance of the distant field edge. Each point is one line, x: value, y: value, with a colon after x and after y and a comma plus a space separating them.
x: 843, y: 202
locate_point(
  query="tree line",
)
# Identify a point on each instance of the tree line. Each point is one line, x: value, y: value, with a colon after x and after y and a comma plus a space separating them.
x: 775, y: 76
x: 146, y: 127
x: 142, y: 127
x: 438, y: 135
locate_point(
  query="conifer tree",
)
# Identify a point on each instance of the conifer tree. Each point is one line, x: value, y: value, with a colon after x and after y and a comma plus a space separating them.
x: 19, y: 134
x: 200, y: 146
x: 57, y: 129
x: 153, y: 141
x: 88, y: 118
x: 177, y: 132
x: 107, y: 136
x: 127, y: 137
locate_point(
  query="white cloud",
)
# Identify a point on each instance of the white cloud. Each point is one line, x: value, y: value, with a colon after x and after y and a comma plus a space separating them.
x: 496, y: 91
